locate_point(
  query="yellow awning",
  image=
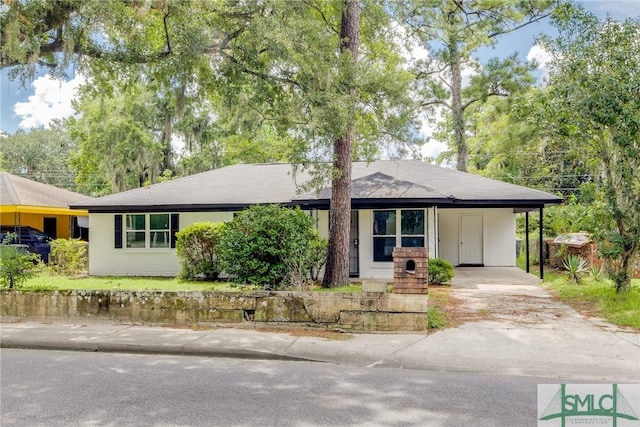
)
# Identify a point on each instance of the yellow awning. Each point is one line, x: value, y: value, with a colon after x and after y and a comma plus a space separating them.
x: 45, y: 210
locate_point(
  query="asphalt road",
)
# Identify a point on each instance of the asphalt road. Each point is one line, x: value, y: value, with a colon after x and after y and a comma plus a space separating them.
x: 56, y: 388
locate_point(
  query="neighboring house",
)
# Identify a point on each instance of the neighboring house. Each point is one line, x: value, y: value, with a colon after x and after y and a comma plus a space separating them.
x: 24, y: 202
x: 464, y: 218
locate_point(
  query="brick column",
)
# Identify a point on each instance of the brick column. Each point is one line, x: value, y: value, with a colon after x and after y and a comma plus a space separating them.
x: 410, y: 270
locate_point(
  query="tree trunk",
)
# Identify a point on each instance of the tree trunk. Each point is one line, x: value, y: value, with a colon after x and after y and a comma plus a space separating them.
x: 337, y: 267
x: 456, y: 107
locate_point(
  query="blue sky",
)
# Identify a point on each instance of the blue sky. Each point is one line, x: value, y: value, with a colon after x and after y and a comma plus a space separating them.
x: 44, y: 99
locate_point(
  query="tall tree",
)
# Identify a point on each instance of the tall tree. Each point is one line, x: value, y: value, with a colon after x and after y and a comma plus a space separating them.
x: 454, y: 30
x: 117, y: 148
x: 337, y: 267
x: 288, y: 65
x: 39, y: 154
x: 593, y: 103
x: 506, y: 142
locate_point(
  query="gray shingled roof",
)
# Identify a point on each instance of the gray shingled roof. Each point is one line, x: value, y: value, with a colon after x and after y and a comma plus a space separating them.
x: 387, y: 181
x: 450, y: 183
x: 19, y: 191
x: 379, y: 185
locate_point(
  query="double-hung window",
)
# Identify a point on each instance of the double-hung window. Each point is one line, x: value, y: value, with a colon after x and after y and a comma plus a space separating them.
x: 147, y: 231
x: 412, y: 228
x: 384, y: 235
x: 135, y: 231
x: 387, y: 223
x: 159, y: 231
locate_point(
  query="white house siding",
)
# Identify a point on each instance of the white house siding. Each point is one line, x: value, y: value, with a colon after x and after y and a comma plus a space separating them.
x: 441, y: 235
x: 106, y: 260
x: 321, y: 219
x: 499, y: 233
x: 432, y: 231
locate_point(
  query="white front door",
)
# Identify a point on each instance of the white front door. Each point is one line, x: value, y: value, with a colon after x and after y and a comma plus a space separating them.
x: 471, y: 240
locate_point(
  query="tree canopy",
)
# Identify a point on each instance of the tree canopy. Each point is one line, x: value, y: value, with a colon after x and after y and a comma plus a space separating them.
x: 455, y: 30
x: 323, y: 76
x: 39, y: 154
x: 593, y: 94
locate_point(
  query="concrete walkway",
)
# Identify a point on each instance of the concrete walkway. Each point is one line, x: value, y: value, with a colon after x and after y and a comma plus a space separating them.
x: 509, y: 327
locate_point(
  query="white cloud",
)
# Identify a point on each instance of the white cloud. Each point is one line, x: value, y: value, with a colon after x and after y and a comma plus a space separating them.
x: 542, y: 58
x: 538, y: 54
x: 51, y: 100
x: 409, y: 45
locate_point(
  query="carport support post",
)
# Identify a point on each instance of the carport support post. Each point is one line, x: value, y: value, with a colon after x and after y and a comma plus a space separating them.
x: 526, y: 238
x: 541, y: 245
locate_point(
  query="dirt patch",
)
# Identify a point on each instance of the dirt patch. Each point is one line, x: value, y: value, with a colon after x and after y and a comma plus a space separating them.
x: 310, y: 332
x: 473, y: 305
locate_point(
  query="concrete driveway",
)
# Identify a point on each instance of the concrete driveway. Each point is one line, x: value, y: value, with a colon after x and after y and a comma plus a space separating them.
x: 510, y: 325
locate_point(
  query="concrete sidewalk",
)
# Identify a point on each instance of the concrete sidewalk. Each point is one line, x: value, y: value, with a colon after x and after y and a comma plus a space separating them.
x: 585, y: 352
x: 511, y: 327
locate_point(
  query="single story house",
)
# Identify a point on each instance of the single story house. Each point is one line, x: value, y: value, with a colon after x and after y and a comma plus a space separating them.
x: 464, y: 218
x: 24, y: 202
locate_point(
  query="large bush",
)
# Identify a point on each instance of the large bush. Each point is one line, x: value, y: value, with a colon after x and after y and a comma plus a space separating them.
x: 262, y: 243
x: 68, y: 256
x: 196, y: 246
x: 440, y: 270
x: 318, y: 256
x: 16, y: 266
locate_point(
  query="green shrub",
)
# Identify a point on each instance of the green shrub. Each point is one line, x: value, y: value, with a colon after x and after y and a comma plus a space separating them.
x: 262, y: 243
x: 68, y: 256
x: 196, y: 247
x: 16, y: 266
x: 317, y: 256
x: 440, y: 271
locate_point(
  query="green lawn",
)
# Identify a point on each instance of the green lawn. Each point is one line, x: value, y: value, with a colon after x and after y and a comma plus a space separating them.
x: 598, y: 298
x: 48, y: 281
x: 45, y: 281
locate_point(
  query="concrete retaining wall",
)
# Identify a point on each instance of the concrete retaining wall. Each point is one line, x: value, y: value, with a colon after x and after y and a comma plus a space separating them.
x: 349, y: 311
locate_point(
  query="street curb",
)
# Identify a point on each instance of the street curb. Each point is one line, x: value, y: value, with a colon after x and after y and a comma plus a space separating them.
x: 147, y: 349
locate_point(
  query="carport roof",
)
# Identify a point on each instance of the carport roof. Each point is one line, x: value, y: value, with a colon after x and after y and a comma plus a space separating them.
x: 381, y: 183
x: 18, y: 194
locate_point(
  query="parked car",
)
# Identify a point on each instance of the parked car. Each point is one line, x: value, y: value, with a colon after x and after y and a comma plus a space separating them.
x: 35, y: 240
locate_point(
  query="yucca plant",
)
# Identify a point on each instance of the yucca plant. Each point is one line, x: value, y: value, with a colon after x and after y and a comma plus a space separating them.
x: 576, y: 266
x: 596, y: 273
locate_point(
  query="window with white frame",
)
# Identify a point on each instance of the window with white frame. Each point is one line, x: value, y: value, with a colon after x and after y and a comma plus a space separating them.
x: 387, y: 223
x: 147, y: 231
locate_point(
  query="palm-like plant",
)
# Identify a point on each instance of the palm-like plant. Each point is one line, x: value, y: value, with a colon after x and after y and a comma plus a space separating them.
x: 576, y: 266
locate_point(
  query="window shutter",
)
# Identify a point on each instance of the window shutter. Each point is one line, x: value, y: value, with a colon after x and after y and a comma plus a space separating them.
x: 117, y: 226
x: 175, y: 226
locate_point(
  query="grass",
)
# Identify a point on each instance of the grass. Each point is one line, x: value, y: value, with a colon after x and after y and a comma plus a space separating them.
x: 439, y: 312
x: 46, y: 281
x: 598, y: 298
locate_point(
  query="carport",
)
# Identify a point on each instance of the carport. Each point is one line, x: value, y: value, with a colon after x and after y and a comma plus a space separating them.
x: 24, y: 202
x: 470, y: 277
